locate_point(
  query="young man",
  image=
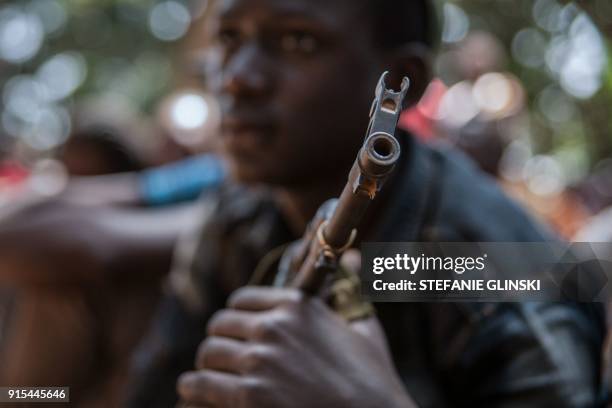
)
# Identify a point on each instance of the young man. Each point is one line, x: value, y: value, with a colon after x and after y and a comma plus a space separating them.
x: 295, y: 82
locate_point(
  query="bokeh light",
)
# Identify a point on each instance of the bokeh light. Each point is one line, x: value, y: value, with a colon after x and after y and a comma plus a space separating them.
x: 21, y: 35
x: 534, y: 74
x: 189, y: 111
x: 556, y: 105
x: 458, y: 106
x: 547, y: 98
x: 169, y: 20
x: 529, y: 47
x: 62, y: 74
x: 191, y: 118
x: 49, y: 177
x: 544, y: 175
x: 52, y: 14
x: 581, y: 72
x: 456, y: 24
x: 497, y: 94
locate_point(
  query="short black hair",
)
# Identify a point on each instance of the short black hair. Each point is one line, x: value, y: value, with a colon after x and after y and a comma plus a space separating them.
x: 398, y: 22
x: 112, y: 144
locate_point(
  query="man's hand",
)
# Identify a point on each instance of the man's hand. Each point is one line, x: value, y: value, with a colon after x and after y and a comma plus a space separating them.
x: 280, y: 348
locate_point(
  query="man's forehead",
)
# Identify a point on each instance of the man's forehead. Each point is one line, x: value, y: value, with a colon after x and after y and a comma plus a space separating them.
x: 315, y: 9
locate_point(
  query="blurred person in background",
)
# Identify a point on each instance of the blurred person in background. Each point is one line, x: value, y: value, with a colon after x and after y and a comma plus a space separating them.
x: 479, y: 114
x: 88, y: 261
x: 85, y: 277
x: 98, y: 150
x: 475, y: 112
x: 175, y: 154
x: 85, y: 243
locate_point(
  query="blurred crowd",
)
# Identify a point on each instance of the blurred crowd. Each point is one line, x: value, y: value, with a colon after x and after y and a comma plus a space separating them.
x: 108, y: 137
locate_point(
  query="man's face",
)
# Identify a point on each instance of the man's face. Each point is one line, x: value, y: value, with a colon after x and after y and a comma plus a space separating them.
x: 295, y: 83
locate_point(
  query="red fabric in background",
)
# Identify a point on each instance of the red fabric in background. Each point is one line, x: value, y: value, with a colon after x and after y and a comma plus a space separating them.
x: 12, y: 174
x: 421, y: 119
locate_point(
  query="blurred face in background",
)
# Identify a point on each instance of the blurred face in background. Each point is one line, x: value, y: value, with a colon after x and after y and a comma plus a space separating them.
x: 295, y: 82
x: 96, y: 153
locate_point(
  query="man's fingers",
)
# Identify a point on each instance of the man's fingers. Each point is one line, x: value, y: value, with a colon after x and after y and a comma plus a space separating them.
x: 220, y: 353
x: 371, y: 330
x: 237, y: 324
x: 208, y: 388
x: 254, y: 298
x: 351, y: 260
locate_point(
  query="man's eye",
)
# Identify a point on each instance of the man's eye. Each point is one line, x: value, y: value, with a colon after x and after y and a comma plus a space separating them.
x: 297, y: 41
x: 228, y: 37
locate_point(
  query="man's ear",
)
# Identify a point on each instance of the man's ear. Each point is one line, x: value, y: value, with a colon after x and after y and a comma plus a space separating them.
x: 414, y: 61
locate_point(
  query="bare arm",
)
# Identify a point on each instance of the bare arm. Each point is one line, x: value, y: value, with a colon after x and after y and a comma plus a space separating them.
x: 112, y: 189
x: 55, y: 240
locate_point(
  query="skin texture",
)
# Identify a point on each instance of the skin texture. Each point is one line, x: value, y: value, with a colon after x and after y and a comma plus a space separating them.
x: 277, y: 100
x: 111, y: 189
x: 97, y: 243
x: 85, y: 280
x: 278, y: 348
x: 295, y: 81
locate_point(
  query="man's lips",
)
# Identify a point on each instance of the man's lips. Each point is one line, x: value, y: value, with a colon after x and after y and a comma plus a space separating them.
x: 246, y: 134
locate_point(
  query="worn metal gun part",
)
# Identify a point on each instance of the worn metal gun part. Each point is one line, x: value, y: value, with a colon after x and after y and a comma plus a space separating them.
x: 374, y: 163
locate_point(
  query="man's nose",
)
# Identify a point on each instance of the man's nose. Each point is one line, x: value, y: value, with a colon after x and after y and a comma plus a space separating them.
x: 247, y: 74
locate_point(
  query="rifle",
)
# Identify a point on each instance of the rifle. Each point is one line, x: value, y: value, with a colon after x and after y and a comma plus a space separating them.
x: 333, y: 230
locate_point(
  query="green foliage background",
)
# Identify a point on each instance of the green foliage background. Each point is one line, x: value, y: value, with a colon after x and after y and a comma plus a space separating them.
x: 123, y: 56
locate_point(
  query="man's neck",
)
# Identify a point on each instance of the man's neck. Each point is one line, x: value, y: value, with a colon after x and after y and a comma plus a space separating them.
x: 299, y: 204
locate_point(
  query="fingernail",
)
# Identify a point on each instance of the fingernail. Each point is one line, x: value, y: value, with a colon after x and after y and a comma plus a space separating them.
x: 186, y: 381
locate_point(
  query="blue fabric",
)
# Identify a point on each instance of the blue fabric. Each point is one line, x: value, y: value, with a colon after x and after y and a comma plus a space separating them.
x: 181, y: 181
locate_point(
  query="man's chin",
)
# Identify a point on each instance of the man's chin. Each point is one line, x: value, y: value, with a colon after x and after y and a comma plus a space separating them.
x: 254, y: 175
x: 244, y: 173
